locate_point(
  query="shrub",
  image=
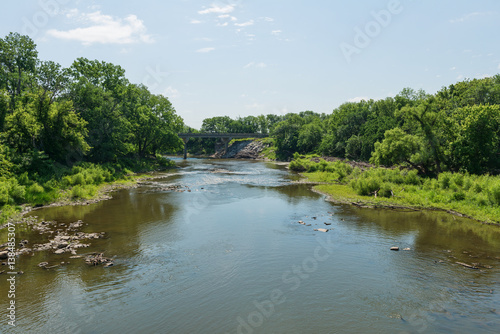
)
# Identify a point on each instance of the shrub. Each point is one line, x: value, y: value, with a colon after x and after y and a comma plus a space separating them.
x: 494, y: 194
x: 444, y: 180
x: 385, y: 190
x: 365, y: 186
x: 35, y: 188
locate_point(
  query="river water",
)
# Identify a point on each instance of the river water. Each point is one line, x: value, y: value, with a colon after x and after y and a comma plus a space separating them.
x: 227, y: 255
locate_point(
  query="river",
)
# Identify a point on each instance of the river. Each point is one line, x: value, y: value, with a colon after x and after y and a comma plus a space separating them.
x: 227, y: 255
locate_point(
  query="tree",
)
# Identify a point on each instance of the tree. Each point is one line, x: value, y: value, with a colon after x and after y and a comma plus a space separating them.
x: 219, y: 124
x: 309, y: 139
x: 474, y: 141
x: 152, y: 121
x: 52, y: 78
x: 96, y: 90
x: 427, y: 119
x: 396, y: 148
x: 286, y: 134
x: 18, y: 59
x: 53, y: 128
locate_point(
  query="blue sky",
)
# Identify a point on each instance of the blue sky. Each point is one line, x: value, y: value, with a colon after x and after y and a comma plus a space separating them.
x: 242, y: 57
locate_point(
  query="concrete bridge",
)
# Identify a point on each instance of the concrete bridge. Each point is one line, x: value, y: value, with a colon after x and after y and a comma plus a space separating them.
x: 225, y: 137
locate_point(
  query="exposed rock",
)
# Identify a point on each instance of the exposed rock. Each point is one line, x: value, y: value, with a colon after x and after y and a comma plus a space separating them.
x: 327, y: 224
x: 301, y: 222
x: 321, y: 230
x: 467, y: 265
x: 4, y: 255
x: 246, y: 149
x: 96, y: 259
x: 394, y: 248
x: 407, y: 249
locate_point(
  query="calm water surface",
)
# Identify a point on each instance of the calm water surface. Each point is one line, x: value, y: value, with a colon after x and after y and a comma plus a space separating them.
x: 228, y: 256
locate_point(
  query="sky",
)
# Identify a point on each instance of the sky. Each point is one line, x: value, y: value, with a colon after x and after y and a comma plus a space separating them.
x: 253, y: 57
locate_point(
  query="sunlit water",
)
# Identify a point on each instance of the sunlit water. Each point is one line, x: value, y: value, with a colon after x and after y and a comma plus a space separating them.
x: 229, y: 256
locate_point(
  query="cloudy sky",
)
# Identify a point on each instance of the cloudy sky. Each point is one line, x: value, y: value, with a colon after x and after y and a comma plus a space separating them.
x: 251, y: 57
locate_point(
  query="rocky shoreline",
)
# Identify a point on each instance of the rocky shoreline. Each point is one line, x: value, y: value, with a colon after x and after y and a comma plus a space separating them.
x: 63, y: 238
x: 245, y: 149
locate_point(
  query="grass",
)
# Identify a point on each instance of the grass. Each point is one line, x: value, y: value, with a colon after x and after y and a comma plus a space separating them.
x: 472, y: 195
x: 83, y: 181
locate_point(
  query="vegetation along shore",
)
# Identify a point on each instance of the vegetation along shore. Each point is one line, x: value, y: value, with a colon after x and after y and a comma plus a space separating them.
x: 66, y: 134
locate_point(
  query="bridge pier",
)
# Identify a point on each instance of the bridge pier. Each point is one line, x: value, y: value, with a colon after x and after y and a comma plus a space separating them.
x: 226, y: 141
x: 185, y: 140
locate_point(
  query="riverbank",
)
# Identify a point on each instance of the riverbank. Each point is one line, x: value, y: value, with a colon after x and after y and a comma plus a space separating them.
x: 82, y: 184
x: 470, y: 196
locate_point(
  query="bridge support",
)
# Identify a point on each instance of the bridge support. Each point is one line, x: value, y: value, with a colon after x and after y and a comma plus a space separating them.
x: 226, y: 141
x: 185, y: 140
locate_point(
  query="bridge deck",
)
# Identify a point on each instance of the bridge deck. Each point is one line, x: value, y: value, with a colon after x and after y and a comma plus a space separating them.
x: 222, y: 135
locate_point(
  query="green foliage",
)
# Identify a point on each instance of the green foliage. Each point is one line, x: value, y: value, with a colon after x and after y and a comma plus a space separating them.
x: 397, y: 147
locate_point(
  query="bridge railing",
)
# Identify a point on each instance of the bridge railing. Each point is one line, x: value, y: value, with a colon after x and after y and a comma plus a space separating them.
x: 222, y: 135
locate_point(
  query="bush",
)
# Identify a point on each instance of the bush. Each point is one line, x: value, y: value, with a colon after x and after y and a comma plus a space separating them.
x: 494, y: 194
x: 35, y: 188
x: 444, y: 180
x: 365, y: 186
x: 385, y: 190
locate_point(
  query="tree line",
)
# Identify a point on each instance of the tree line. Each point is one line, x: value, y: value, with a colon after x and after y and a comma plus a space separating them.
x: 65, y: 131
x: 89, y: 111
x: 457, y: 129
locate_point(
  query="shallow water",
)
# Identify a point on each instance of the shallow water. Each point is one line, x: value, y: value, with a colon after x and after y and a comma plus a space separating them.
x: 228, y: 256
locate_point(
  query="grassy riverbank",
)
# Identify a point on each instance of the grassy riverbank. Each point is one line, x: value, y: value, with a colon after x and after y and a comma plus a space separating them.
x: 470, y: 195
x: 60, y: 184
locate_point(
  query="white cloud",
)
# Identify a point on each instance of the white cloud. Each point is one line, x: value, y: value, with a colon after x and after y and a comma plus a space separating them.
x: 256, y: 65
x: 245, y: 24
x: 359, y: 99
x: 104, y: 29
x: 217, y: 9
x: 171, y: 92
x: 193, y: 21
x: 225, y: 24
x: 460, y: 77
x: 453, y: 68
x: 205, y: 50
x: 268, y: 19
x: 470, y: 16
x: 276, y: 32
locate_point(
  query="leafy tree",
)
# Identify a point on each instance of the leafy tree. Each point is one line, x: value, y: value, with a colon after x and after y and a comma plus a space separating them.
x: 398, y: 147
x: 286, y: 134
x: 96, y: 91
x: 52, y: 78
x: 427, y: 119
x: 152, y: 121
x: 18, y: 59
x: 475, y: 138
x: 310, y: 136
x: 219, y: 124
